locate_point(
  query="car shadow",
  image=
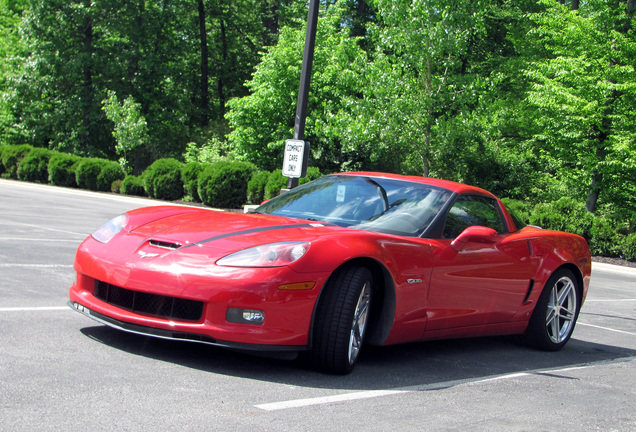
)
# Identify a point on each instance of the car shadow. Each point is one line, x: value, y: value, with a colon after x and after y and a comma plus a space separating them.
x: 379, y: 368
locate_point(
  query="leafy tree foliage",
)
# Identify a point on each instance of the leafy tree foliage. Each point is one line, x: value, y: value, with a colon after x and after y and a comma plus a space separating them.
x: 584, y: 86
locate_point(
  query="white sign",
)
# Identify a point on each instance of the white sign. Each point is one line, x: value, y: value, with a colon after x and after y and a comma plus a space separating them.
x: 294, y: 158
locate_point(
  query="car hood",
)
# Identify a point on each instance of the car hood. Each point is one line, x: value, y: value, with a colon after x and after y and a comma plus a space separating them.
x: 217, y: 233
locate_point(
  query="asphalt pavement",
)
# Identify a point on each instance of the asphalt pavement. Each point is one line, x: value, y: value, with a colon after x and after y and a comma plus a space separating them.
x: 61, y: 371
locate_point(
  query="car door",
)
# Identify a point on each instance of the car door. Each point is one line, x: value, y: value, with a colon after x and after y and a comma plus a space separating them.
x: 481, y: 281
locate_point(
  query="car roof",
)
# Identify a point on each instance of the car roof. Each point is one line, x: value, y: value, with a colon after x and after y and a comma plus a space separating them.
x: 459, y: 188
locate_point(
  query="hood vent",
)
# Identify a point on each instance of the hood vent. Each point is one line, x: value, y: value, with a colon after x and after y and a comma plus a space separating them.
x: 165, y: 244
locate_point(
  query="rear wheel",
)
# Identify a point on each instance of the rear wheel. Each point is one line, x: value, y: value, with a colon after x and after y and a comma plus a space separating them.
x: 555, y: 315
x: 342, y: 320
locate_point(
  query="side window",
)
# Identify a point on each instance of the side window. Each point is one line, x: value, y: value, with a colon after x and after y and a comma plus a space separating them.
x: 472, y: 210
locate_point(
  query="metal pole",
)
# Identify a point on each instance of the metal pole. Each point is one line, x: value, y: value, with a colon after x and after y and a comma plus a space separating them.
x: 305, y: 78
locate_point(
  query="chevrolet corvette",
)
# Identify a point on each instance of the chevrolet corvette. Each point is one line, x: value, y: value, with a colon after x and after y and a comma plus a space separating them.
x: 343, y: 261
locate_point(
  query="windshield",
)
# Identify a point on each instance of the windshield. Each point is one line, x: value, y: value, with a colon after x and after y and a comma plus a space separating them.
x: 367, y: 203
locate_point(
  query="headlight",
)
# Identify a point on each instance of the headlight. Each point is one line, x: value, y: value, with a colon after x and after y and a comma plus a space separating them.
x: 270, y: 255
x: 106, y: 232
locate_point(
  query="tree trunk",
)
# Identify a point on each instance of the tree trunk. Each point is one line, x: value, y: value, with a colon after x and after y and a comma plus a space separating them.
x: 86, y: 92
x: 220, y: 83
x: 203, y: 87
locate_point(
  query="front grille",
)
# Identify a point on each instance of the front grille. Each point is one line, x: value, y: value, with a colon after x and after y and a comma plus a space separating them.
x: 173, y: 308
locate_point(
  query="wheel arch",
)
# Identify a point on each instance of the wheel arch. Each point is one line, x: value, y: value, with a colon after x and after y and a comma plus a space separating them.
x: 579, y: 278
x: 382, y: 304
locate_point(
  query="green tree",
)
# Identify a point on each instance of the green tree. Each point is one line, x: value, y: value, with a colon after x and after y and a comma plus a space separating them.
x: 263, y: 120
x: 131, y: 129
x: 584, y: 87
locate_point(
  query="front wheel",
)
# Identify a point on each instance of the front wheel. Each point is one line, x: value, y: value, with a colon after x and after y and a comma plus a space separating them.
x: 342, y: 320
x: 556, y: 312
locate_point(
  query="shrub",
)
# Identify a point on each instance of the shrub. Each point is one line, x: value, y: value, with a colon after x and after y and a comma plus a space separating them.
x: 278, y: 181
x: 564, y: 214
x: 3, y: 148
x: 275, y: 183
x: 116, y: 186
x: 256, y: 187
x: 603, y: 238
x: 628, y: 247
x: 87, y: 172
x: 162, y: 179
x: 34, y: 167
x: 62, y: 168
x: 190, y: 177
x: 11, y: 157
x: 110, y: 172
x: 224, y: 184
x: 133, y: 185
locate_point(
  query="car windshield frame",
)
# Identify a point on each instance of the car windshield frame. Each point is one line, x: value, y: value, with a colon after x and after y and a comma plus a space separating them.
x: 378, y: 204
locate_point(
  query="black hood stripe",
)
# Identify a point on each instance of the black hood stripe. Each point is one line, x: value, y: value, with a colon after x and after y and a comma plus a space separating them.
x: 254, y: 230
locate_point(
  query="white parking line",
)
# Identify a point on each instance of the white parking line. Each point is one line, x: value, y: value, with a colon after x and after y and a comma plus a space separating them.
x: 34, y: 309
x: 14, y: 223
x: 612, y: 268
x: 21, y: 239
x: 5, y: 265
x: 298, y: 403
x: 606, y: 328
x: 609, y: 300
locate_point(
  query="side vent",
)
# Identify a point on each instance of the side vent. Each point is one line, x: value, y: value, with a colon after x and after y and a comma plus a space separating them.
x: 530, y: 287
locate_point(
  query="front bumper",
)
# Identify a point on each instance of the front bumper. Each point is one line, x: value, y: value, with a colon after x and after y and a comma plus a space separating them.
x: 176, y: 335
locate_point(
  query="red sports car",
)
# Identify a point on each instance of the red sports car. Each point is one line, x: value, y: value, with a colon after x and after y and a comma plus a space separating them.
x: 345, y: 260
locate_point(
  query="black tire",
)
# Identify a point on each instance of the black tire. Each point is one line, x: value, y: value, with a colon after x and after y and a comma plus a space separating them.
x: 556, y: 312
x: 342, y: 319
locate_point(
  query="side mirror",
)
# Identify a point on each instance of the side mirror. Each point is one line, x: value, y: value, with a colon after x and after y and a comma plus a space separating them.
x: 475, y: 234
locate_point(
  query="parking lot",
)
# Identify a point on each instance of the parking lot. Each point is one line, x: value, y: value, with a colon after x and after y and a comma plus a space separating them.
x: 61, y: 371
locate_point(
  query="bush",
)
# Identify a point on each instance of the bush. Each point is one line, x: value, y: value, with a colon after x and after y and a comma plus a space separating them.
x: 109, y: 173
x: 87, y: 172
x: 604, y: 238
x: 565, y: 214
x: 224, y: 184
x: 278, y: 181
x: 116, y: 186
x: 35, y: 166
x: 3, y: 148
x: 190, y: 178
x: 162, y: 179
x: 628, y: 247
x: 62, y: 168
x: 256, y: 187
x: 11, y: 158
x: 275, y: 183
x: 133, y: 185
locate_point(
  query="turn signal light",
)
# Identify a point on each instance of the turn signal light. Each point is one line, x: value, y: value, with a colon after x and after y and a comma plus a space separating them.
x: 297, y: 286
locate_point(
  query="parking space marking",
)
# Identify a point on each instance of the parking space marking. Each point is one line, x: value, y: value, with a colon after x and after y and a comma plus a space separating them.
x: 38, y: 239
x: 34, y: 309
x: 609, y: 300
x: 13, y: 223
x: 6, y: 265
x: 606, y: 328
x: 345, y: 397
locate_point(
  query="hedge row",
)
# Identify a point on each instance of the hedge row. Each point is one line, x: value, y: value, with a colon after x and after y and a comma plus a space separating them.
x: 228, y: 184
x: 224, y: 184
x: 607, y: 236
x: 39, y: 165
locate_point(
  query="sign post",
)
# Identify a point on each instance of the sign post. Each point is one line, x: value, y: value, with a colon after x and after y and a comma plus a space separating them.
x: 301, y: 108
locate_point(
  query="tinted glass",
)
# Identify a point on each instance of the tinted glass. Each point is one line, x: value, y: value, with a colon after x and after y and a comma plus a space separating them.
x: 367, y: 203
x: 473, y: 210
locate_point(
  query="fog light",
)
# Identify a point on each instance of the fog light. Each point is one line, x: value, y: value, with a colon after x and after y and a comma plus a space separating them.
x: 245, y: 316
